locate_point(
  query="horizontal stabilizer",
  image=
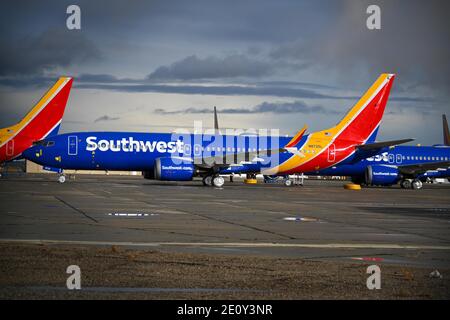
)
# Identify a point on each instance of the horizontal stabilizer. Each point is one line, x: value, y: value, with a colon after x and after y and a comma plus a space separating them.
x: 225, y: 160
x: 384, y: 144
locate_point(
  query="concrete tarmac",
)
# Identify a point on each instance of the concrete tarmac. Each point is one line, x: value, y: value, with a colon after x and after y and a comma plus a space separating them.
x: 320, y: 221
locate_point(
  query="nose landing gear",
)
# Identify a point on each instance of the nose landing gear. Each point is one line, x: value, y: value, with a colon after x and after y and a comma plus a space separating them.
x: 62, y: 178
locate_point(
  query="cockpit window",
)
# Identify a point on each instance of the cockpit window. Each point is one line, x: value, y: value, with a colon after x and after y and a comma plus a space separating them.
x: 38, y: 143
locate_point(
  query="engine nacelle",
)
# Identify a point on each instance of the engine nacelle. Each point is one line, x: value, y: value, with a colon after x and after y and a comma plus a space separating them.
x: 380, y: 175
x: 173, y: 169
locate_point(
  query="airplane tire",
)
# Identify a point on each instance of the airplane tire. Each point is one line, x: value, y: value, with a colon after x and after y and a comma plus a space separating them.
x: 207, y: 180
x: 288, y: 183
x: 218, y: 181
x: 417, y: 184
x: 405, y: 184
x: 62, y: 179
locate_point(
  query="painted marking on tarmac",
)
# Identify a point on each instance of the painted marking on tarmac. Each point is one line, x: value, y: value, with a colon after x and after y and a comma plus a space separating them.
x: 374, y: 259
x: 236, y: 244
x: 305, y: 219
x: 131, y: 215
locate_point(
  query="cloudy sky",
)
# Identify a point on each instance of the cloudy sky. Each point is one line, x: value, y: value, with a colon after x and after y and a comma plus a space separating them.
x: 159, y: 65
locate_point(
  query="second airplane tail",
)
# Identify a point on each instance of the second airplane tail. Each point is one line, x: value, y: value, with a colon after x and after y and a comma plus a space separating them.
x: 445, y: 129
x: 361, y: 123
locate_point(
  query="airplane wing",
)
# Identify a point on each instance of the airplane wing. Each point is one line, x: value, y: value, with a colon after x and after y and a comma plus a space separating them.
x: 364, y: 151
x: 416, y: 169
x: 223, y: 161
x: 380, y: 145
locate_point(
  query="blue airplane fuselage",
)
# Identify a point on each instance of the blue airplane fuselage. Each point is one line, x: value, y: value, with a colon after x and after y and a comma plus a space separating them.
x: 139, y: 152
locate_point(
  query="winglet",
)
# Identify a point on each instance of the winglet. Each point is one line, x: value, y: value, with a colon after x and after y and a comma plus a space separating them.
x: 297, y: 137
x: 216, y: 122
x: 445, y: 129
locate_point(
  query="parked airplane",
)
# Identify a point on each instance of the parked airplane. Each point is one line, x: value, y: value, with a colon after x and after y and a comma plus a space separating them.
x: 41, y: 121
x: 181, y: 157
x: 409, y: 165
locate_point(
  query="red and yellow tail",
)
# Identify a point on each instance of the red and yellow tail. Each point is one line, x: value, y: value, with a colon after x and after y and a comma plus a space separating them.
x: 40, y: 122
x: 361, y: 123
x: 325, y: 148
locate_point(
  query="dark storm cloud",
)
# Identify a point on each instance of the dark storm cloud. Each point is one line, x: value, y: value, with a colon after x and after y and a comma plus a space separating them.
x: 287, y: 89
x: 106, y: 118
x: 276, y: 89
x: 413, y: 42
x: 265, y: 107
x: 51, y: 49
x: 101, y: 78
x: 233, y: 90
x: 23, y: 81
x: 192, y: 68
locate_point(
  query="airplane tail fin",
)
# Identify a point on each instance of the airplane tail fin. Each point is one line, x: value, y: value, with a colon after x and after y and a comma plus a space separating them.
x: 361, y: 123
x: 216, y: 121
x: 445, y: 129
x: 44, y: 119
x: 41, y: 121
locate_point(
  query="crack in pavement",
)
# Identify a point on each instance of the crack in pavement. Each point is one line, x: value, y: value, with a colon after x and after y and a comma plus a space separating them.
x: 76, y: 209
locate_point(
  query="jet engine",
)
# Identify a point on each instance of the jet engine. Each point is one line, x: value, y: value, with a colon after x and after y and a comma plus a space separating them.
x: 381, y: 175
x: 173, y: 169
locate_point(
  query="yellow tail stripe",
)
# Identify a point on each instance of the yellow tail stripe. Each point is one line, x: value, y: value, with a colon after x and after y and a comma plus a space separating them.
x: 7, y: 133
x: 325, y: 137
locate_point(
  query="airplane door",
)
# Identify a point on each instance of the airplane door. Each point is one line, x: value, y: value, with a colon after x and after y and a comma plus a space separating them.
x: 197, y: 150
x: 72, y: 145
x: 331, y: 153
x: 391, y: 158
x: 10, y: 148
x: 398, y: 158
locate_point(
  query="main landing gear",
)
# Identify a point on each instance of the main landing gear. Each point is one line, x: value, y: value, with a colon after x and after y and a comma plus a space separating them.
x: 411, y: 184
x: 213, y: 180
x: 61, y: 178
